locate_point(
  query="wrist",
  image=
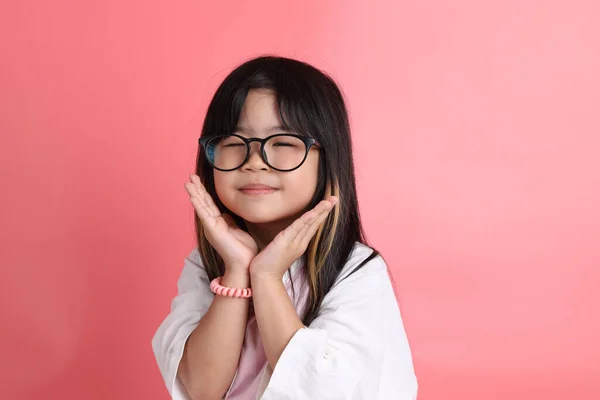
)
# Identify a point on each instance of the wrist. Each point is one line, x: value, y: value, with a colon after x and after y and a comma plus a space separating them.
x: 236, y: 279
x: 263, y: 276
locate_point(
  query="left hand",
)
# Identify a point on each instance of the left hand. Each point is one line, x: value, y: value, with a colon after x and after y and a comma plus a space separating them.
x: 291, y: 243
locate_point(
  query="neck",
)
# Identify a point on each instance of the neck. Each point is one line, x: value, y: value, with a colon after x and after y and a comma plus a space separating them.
x: 264, y: 233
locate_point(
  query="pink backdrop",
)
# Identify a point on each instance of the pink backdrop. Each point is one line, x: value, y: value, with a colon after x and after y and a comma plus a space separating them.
x: 477, y: 136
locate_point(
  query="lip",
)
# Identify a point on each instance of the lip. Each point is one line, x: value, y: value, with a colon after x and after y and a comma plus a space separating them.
x: 257, y: 189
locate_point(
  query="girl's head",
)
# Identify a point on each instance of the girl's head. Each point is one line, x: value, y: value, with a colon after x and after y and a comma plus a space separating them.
x: 256, y: 192
x: 270, y: 96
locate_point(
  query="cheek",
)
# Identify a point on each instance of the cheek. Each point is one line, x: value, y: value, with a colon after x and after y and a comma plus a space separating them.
x: 312, y: 171
x: 303, y: 182
x: 223, y: 184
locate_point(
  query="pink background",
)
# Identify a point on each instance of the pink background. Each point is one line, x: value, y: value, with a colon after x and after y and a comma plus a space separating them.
x: 476, y: 126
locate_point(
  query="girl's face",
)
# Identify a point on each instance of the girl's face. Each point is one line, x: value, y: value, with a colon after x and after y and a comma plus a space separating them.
x: 291, y: 191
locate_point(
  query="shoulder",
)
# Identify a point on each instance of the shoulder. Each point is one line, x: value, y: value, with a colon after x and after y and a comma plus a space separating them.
x: 365, y: 274
x: 194, y: 257
x: 363, y: 261
x: 193, y: 273
x: 362, y: 290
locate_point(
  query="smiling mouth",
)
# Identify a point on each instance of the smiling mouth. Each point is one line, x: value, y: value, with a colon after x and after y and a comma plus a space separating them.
x: 255, y: 189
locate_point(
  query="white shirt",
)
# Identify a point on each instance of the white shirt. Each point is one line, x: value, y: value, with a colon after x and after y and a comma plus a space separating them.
x: 356, y: 349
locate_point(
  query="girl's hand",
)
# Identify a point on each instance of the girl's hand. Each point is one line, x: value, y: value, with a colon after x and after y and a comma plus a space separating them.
x: 235, y: 246
x: 291, y: 243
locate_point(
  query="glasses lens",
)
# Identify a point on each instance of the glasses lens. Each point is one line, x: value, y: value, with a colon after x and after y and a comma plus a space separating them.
x: 226, y: 152
x: 285, y: 152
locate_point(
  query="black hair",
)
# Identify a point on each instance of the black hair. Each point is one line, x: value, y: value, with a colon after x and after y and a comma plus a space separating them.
x: 309, y: 103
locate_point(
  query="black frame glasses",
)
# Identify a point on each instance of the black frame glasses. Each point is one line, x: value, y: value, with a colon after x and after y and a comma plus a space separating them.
x: 308, y: 143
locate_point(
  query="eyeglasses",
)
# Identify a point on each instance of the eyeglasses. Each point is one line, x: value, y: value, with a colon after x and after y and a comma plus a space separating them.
x: 282, y: 152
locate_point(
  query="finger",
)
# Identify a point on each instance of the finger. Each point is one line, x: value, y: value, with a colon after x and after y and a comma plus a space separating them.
x: 203, y: 212
x: 205, y: 197
x: 333, y: 200
x: 304, y: 222
x: 210, y: 201
x: 292, y: 231
x: 322, y: 210
x: 324, y: 206
x: 191, y: 188
x: 195, y: 179
x: 305, y: 236
x: 199, y: 200
x: 193, y: 191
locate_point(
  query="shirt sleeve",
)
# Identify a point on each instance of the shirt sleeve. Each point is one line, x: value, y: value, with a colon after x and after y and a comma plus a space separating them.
x: 341, y: 354
x: 191, y: 303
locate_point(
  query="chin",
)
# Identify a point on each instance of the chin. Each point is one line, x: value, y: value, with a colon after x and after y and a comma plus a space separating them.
x: 259, y: 220
x: 261, y: 214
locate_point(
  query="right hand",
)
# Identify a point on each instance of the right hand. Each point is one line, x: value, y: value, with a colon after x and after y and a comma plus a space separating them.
x: 235, y: 246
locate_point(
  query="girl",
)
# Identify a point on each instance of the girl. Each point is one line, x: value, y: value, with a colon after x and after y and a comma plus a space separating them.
x: 281, y: 299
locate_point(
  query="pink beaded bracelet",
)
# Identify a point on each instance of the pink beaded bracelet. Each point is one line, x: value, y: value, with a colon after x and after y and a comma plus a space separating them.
x: 216, y: 287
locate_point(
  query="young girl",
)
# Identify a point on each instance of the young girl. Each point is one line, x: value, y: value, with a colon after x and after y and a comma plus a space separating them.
x: 281, y: 299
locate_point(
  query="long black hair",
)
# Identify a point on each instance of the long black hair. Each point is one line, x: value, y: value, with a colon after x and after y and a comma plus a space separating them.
x: 311, y: 104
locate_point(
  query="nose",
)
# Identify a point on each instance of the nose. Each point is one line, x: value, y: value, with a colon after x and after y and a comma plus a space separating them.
x: 255, y: 161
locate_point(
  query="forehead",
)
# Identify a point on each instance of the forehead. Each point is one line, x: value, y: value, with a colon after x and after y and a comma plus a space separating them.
x: 259, y: 115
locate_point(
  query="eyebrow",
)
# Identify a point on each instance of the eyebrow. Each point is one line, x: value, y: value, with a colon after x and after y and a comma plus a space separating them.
x: 275, y: 128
